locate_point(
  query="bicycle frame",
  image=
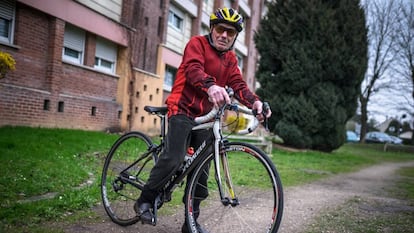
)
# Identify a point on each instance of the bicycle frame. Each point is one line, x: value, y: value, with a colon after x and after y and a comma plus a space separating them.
x: 131, y: 159
x: 200, y: 153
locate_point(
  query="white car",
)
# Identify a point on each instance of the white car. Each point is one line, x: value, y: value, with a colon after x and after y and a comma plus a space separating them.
x: 396, y: 140
x: 378, y: 137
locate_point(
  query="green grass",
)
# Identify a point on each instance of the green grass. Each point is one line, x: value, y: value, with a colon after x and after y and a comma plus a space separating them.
x: 36, y: 161
x: 405, y: 185
x: 297, y: 168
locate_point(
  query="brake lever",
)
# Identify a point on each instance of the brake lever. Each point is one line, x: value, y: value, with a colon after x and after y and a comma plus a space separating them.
x: 266, y: 108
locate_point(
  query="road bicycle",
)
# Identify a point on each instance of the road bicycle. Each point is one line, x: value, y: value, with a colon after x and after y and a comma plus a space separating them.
x: 245, y: 190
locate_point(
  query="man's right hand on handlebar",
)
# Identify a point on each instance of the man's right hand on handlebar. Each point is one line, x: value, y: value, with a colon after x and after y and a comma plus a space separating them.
x: 218, y: 95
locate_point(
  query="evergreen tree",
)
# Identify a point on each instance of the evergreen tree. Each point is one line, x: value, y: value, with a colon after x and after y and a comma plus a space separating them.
x: 313, y: 59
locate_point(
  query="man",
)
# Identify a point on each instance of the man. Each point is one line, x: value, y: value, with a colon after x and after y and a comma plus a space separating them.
x: 208, y: 66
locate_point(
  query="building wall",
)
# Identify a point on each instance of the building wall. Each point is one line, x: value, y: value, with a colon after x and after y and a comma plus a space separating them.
x: 177, y: 38
x: 147, y: 90
x: 146, y: 21
x: 147, y: 28
x: 253, y: 55
x: 244, y: 45
x: 82, y: 17
x: 92, y: 99
x: 31, y: 94
x: 109, y: 8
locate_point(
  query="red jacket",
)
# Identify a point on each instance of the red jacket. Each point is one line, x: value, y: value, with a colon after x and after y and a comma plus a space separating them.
x: 203, y: 66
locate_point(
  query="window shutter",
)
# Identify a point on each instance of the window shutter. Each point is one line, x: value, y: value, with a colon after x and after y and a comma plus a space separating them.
x: 74, y: 38
x: 106, y: 50
x: 7, y: 9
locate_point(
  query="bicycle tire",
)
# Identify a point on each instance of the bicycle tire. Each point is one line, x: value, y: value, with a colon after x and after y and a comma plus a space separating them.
x: 119, y: 196
x: 256, y: 184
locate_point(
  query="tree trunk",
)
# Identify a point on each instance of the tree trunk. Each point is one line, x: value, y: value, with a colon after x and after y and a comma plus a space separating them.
x: 364, y: 118
x: 412, y: 113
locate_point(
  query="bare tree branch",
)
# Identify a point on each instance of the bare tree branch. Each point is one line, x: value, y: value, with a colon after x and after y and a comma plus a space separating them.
x: 382, y: 19
x: 405, y: 52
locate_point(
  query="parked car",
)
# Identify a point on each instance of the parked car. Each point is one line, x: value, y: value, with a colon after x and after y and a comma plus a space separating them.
x: 351, y: 136
x: 396, y: 140
x: 378, y: 137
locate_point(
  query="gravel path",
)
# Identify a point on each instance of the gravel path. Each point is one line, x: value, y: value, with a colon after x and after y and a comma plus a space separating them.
x: 302, y: 203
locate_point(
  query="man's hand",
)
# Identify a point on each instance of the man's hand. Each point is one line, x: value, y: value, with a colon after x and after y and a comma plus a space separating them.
x: 258, y: 106
x: 218, y: 95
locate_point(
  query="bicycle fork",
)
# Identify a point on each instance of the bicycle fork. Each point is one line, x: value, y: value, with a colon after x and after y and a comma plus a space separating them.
x: 220, y: 156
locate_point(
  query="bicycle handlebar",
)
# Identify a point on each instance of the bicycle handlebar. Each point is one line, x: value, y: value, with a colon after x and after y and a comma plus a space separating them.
x: 207, y: 117
x: 255, y: 123
x: 218, y: 112
x: 232, y: 107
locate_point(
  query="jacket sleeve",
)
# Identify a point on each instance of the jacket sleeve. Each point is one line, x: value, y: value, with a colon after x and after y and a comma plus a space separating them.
x: 241, y: 91
x: 193, y: 60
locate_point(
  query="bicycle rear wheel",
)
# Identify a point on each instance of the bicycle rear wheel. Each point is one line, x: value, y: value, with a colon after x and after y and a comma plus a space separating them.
x: 255, y: 204
x: 126, y: 170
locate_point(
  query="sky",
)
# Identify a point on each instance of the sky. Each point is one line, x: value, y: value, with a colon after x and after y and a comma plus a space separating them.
x: 382, y: 106
x: 389, y: 102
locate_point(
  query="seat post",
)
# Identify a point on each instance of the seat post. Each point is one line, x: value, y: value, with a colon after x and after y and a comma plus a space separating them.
x: 163, y: 125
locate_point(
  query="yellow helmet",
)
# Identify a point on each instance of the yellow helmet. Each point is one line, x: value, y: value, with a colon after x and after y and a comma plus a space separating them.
x: 228, y: 16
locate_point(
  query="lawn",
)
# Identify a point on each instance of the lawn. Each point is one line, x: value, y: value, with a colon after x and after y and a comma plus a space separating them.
x: 38, y: 161
x: 57, y: 162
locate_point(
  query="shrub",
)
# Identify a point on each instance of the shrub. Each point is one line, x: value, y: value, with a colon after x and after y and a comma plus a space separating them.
x: 7, y: 63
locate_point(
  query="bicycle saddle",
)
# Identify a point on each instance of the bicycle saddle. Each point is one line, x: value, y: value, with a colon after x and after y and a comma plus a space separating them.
x: 156, y: 110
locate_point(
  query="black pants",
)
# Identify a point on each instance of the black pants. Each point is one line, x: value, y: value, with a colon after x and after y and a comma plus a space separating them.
x: 179, y: 137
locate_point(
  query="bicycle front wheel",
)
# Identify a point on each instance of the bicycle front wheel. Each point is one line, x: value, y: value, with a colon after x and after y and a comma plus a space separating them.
x: 125, y: 172
x: 251, y: 198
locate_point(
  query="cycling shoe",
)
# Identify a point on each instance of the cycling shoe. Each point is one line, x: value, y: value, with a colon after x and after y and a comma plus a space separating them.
x: 144, y: 212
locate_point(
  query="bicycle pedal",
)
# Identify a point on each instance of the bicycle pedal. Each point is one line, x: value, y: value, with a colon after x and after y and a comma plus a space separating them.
x: 149, y: 222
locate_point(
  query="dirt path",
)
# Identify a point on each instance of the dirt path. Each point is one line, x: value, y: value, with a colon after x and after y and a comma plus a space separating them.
x: 302, y: 203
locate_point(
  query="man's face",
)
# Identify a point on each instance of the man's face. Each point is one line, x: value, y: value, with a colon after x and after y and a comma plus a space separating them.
x: 223, y: 36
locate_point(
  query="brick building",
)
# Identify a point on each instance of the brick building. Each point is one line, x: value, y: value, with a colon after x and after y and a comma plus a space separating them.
x: 93, y: 65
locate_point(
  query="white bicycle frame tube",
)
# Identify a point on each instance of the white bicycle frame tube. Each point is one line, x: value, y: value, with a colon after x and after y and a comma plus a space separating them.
x: 216, y: 126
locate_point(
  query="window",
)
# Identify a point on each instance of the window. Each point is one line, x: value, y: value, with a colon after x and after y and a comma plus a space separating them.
x: 159, y: 31
x: 105, y: 57
x: 7, y: 21
x: 46, y: 105
x: 169, y: 77
x: 61, y: 106
x: 175, y: 18
x: 73, y: 44
x: 240, y: 61
x: 205, y: 5
x: 93, y: 111
x: 204, y: 30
